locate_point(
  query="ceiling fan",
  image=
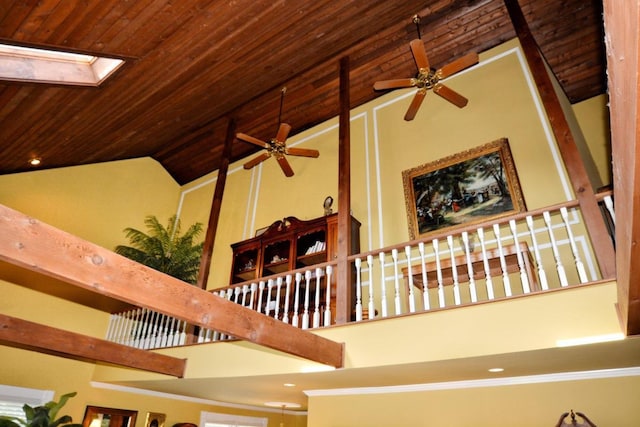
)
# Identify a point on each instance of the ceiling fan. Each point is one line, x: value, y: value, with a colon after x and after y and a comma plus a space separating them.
x: 428, y: 78
x: 277, y: 146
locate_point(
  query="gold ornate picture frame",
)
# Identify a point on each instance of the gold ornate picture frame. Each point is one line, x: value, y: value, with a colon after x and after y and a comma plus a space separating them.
x: 155, y: 419
x: 470, y: 187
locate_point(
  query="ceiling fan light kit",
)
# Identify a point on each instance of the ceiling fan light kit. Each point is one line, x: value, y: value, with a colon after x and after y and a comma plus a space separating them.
x: 428, y: 78
x: 277, y: 146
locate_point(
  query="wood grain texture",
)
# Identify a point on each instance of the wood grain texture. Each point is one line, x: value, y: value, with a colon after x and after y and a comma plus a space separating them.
x: 45, y: 339
x: 195, y: 63
x: 35, y: 246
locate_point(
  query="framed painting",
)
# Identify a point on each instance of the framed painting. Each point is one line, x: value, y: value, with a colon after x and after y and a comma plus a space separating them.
x: 98, y: 416
x: 470, y: 187
x: 155, y: 419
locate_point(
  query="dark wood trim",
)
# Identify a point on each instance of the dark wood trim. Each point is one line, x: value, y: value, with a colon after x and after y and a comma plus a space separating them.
x: 343, y: 278
x: 35, y: 246
x: 216, y: 204
x: 622, y: 25
x: 601, y: 242
x: 45, y: 339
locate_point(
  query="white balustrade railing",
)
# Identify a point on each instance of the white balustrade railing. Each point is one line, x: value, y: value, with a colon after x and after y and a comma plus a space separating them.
x: 517, y: 255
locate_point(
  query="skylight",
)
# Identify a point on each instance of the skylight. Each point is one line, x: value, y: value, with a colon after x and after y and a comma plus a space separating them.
x: 26, y: 64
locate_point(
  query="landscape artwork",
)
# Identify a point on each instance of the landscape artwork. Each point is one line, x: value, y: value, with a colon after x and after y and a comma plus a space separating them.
x: 466, y: 188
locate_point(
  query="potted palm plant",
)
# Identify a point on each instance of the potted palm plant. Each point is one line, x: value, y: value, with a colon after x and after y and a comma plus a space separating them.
x: 165, y: 249
x: 42, y: 416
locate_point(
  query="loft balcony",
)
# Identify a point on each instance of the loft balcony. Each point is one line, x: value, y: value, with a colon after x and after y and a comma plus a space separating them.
x: 526, y: 254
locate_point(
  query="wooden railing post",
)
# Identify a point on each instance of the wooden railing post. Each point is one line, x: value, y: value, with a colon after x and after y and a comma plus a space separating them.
x: 601, y: 242
x: 344, y: 299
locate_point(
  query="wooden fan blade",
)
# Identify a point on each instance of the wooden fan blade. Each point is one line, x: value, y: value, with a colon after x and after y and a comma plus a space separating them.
x: 393, y: 84
x: 248, y: 138
x: 261, y: 158
x: 284, y: 165
x: 419, y: 53
x: 458, y: 65
x: 415, y: 105
x: 304, y: 152
x: 450, y: 95
x: 283, y: 132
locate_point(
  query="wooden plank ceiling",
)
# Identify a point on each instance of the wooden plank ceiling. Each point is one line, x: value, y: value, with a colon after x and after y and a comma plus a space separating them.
x: 194, y: 64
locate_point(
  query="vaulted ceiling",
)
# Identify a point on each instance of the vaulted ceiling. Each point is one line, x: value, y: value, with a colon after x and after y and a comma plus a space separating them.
x: 194, y: 64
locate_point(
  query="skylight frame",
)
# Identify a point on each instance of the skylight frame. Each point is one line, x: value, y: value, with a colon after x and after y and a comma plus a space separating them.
x: 34, y: 64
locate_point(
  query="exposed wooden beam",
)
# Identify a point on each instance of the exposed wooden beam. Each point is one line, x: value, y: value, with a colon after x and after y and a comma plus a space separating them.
x: 343, y: 278
x: 45, y: 339
x: 216, y: 204
x: 601, y: 242
x: 622, y: 25
x: 36, y: 246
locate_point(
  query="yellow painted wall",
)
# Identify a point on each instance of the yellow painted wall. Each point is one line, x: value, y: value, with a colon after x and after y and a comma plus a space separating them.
x: 98, y: 201
x: 503, y: 102
x: 95, y: 202
x: 607, y: 402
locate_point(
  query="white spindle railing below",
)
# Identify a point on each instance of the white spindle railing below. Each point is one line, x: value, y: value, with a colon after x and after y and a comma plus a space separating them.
x: 518, y: 255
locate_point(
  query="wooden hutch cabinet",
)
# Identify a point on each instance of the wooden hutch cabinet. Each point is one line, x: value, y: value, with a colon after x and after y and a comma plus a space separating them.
x: 289, y: 244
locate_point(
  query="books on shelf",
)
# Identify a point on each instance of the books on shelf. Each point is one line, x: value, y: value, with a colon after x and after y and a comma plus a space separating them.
x: 317, y: 247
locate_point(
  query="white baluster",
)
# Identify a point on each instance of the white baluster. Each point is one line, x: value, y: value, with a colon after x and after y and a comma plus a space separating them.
x: 472, y: 281
x: 454, y: 271
x: 436, y: 252
x: 608, y: 203
x: 126, y: 329
x: 582, y: 273
x: 148, y: 328
x: 163, y: 332
x: 556, y: 254
x: 113, y: 318
x: 316, y: 311
x: 219, y: 335
x: 151, y: 333
x: 253, y: 302
x: 327, y: 305
x: 524, y: 278
x: 135, y: 327
x: 412, y: 303
x: 270, y: 285
x: 371, y: 307
x: 172, y: 332
x: 287, y: 294
x: 307, y: 286
x: 245, y: 290
x: 425, y: 283
x: 542, y: 276
x: 396, y: 282
x: 261, y: 286
x: 236, y: 294
x: 383, y: 287
x: 183, y: 332
x: 278, y: 289
x: 503, y: 264
x: 296, y: 301
x: 358, y: 263
x: 485, y: 263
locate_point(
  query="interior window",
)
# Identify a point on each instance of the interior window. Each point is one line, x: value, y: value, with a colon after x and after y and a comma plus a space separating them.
x: 13, y: 398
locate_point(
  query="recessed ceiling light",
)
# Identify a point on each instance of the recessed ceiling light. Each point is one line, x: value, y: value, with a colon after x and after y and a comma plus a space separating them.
x: 289, y: 384
x: 29, y: 64
x: 35, y: 161
x: 496, y: 370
